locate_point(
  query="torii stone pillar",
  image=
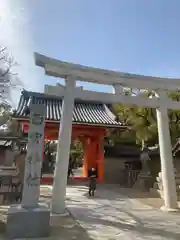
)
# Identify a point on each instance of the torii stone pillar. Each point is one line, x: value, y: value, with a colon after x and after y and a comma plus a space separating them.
x: 63, y: 149
x: 167, y: 168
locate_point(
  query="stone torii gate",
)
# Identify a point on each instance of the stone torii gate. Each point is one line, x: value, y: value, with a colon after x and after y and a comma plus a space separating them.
x: 73, y: 72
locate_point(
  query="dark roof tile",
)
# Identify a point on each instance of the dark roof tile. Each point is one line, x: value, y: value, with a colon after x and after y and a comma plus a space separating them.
x: 92, y: 113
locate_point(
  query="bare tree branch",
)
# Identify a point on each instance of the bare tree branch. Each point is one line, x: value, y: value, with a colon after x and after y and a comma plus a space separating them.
x: 8, y: 79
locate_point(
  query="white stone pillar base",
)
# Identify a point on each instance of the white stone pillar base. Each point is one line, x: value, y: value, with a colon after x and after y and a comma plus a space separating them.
x: 165, y: 209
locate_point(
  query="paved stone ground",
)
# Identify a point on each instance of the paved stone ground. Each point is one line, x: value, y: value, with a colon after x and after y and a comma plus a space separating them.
x: 144, y: 197
x: 62, y: 227
x: 109, y: 215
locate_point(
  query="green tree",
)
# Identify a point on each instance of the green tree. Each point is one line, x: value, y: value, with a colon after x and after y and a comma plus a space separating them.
x: 174, y: 118
x: 143, y: 120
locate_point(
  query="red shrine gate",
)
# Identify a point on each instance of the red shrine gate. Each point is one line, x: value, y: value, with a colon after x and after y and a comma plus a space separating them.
x: 90, y: 121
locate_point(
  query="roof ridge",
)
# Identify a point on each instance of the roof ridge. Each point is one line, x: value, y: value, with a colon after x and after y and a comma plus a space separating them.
x: 27, y: 93
x: 85, y: 112
x: 38, y: 94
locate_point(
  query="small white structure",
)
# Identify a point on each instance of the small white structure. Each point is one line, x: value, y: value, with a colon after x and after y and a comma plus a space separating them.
x: 72, y: 72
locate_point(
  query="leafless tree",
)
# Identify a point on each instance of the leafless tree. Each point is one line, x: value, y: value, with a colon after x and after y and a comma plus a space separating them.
x: 8, y: 81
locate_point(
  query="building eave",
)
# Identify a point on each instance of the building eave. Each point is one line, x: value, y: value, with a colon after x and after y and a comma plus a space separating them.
x: 84, y: 112
x: 25, y: 119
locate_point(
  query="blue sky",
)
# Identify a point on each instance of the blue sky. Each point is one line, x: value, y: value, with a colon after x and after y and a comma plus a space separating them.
x: 135, y: 36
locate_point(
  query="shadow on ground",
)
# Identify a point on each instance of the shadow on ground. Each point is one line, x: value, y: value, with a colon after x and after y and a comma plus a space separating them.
x: 146, y: 198
x: 62, y: 227
x: 67, y: 228
x: 135, y: 226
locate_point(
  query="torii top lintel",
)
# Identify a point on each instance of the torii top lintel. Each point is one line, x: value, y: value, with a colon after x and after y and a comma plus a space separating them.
x: 57, y: 68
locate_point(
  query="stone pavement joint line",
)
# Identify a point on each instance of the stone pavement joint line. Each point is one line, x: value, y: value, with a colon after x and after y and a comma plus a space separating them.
x: 110, y: 215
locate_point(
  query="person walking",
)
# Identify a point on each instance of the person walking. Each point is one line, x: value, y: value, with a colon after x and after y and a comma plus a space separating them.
x: 70, y: 167
x: 92, y: 181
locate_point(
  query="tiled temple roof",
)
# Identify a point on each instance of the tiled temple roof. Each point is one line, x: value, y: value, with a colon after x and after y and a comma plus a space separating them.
x: 90, y: 113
